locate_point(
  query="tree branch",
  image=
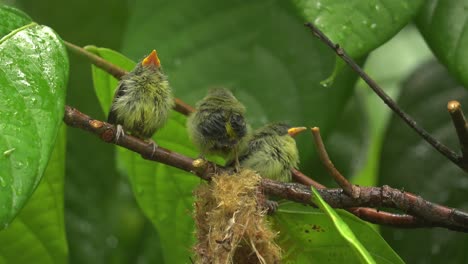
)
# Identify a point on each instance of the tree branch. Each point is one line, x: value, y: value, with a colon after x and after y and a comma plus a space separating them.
x: 444, y: 150
x: 431, y: 214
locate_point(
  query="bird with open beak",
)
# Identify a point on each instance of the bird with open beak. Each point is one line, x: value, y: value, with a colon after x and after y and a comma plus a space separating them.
x: 142, y: 101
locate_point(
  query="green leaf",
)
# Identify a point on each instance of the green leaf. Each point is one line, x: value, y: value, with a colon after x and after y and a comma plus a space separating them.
x: 410, y: 163
x: 37, y: 234
x: 308, y: 236
x: 444, y: 26
x: 342, y: 228
x: 164, y: 193
x: 11, y: 19
x: 359, y: 25
x: 33, y: 77
x: 258, y: 49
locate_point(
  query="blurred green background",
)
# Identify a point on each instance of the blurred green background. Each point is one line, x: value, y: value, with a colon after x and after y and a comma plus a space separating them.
x: 262, y: 52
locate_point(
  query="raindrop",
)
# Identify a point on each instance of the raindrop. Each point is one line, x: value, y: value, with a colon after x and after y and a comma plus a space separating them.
x: 373, y: 26
x: 318, y: 5
x: 377, y: 7
x: 2, y: 182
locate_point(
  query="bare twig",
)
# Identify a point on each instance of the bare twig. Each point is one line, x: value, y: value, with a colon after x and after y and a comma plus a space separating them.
x: 444, y: 150
x: 459, y: 122
x: 118, y: 73
x: 348, y: 188
x: 369, y: 214
x: 430, y: 214
x: 110, y: 68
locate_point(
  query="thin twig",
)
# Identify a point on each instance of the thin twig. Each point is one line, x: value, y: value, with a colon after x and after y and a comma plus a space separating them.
x: 459, y: 122
x: 118, y: 73
x: 110, y: 68
x: 348, y: 188
x: 444, y: 150
x: 429, y: 214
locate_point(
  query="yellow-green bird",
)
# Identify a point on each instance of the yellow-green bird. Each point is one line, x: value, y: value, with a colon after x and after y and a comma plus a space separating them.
x: 271, y: 151
x: 143, y: 100
x: 218, y: 123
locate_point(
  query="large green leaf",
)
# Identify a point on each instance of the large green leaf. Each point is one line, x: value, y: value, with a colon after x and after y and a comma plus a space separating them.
x: 164, y: 193
x: 33, y: 77
x: 37, y: 234
x: 359, y: 25
x: 11, y: 19
x: 444, y: 26
x: 410, y: 163
x: 259, y: 49
x: 308, y: 236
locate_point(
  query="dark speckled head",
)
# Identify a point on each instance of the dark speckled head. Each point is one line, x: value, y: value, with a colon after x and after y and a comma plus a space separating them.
x: 279, y: 128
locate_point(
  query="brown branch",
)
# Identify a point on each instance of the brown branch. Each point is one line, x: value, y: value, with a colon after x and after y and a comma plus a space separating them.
x: 99, y: 62
x: 444, y: 150
x: 350, y: 189
x: 461, y: 127
x: 369, y: 214
x: 433, y: 214
x: 118, y: 73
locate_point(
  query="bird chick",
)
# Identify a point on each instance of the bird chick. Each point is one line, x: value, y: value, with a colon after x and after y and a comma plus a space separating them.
x: 218, y: 123
x: 142, y: 101
x: 271, y: 151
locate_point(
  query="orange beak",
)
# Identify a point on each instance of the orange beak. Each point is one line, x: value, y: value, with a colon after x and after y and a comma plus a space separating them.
x: 152, y: 59
x: 296, y: 130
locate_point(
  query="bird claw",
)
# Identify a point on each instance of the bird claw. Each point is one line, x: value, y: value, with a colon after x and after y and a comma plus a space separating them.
x: 271, y: 206
x: 119, y: 133
x: 154, y: 145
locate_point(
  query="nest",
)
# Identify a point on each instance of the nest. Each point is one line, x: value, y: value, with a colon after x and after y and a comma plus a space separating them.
x: 231, y: 224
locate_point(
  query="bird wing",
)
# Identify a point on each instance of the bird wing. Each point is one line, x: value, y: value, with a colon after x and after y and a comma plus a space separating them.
x: 120, y: 91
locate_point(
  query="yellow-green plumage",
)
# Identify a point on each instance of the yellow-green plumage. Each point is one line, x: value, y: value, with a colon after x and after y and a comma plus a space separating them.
x: 143, y: 99
x: 270, y: 151
x: 218, y: 123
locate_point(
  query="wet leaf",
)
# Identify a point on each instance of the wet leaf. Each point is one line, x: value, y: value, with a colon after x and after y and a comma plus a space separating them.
x: 11, y: 19
x: 33, y: 77
x: 37, y: 234
x: 359, y: 26
x: 444, y: 26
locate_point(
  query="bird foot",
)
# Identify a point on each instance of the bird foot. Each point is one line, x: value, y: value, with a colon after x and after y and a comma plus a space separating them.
x: 271, y: 206
x: 119, y: 133
x: 154, y: 145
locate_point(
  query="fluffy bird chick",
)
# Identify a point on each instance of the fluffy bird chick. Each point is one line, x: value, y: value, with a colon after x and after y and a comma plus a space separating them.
x: 271, y: 151
x: 218, y: 123
x: 142, y: 100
